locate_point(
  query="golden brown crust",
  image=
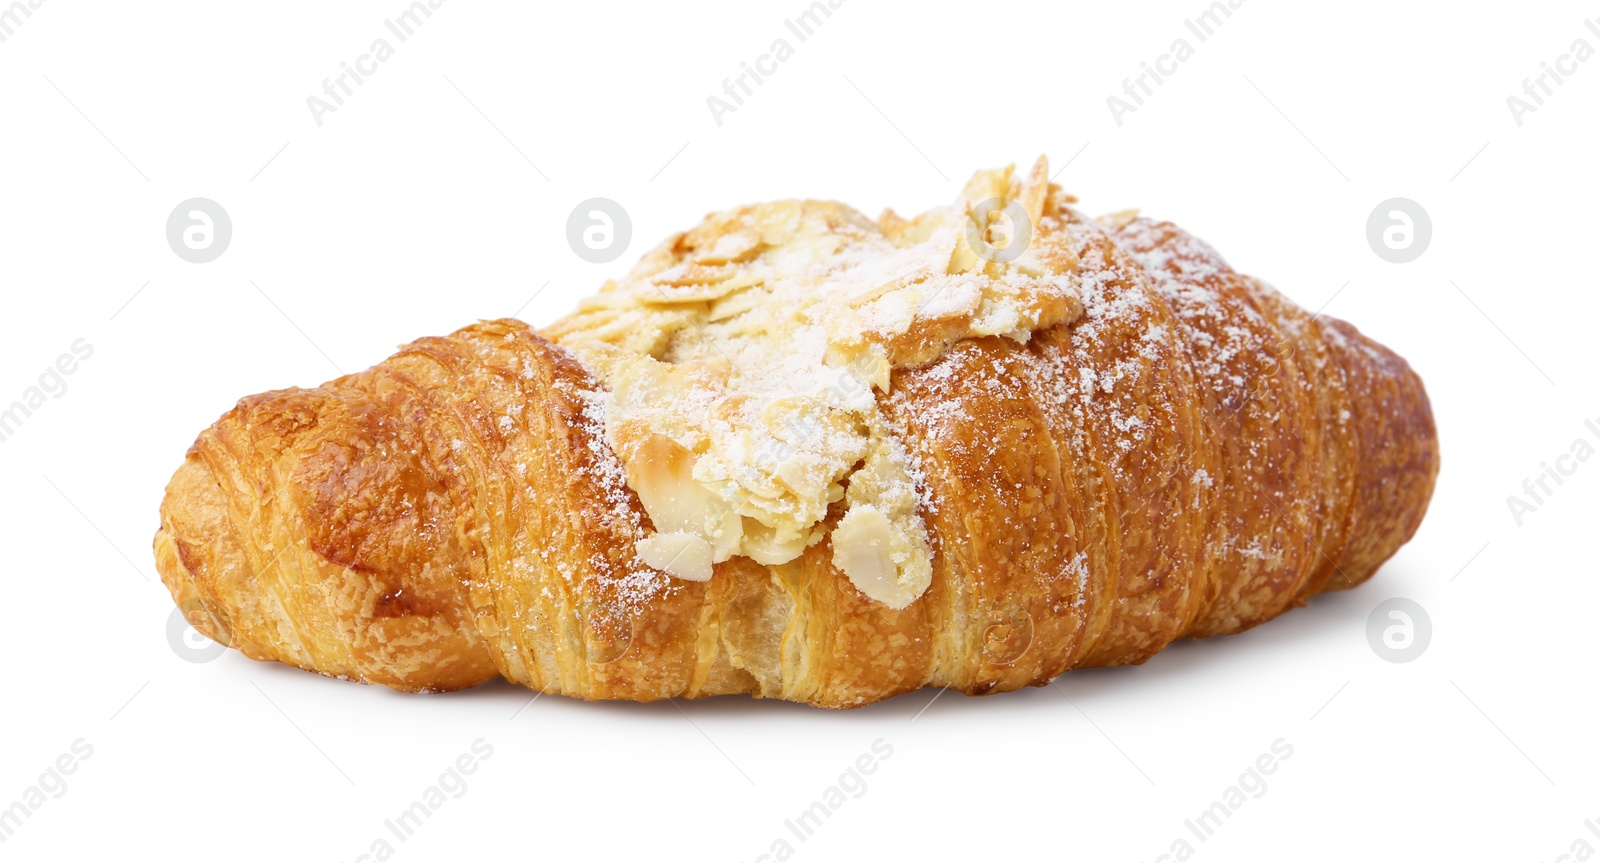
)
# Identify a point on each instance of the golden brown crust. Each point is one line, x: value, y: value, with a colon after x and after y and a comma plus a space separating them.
x: 1190, y: 456
x: 1009, y: 523
x: 1136, y: 425
x: 1253, y: 397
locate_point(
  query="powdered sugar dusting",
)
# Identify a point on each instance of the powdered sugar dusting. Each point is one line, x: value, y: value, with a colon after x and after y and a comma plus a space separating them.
x: 751, y: 347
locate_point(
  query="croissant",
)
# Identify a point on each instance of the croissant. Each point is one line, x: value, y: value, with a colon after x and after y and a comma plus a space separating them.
x: 800, y: 454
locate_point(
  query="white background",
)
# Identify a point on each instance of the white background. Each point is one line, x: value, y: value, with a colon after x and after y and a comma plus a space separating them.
x: 408, y: 213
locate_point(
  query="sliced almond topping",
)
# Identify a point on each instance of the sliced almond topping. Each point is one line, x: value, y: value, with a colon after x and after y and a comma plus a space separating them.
x: 679, y: 554
x: 762, y: 545
x: 742, y: 363
x: 730, y: 248
x: 1119, y: 219
x: 1035, y: 190
x: 660, y: 472
x: 870, y: 550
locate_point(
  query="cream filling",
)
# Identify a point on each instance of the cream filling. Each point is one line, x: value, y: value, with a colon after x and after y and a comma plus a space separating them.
x: 742, y: 361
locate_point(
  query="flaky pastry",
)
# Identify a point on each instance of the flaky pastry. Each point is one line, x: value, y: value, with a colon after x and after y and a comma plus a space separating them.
x: 800, y: 454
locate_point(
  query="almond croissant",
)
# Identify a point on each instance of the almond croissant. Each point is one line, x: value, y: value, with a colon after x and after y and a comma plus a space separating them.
x: 803, y: 455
